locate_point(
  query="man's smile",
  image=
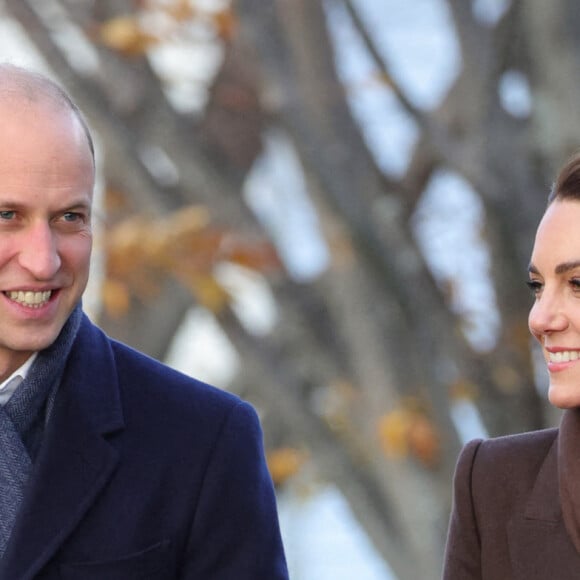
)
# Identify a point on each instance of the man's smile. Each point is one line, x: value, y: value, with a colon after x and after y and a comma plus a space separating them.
x: 29, y: 298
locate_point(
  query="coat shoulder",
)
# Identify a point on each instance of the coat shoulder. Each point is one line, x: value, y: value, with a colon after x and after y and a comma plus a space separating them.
x: 171, y: 406
x: 503, y: 471
x: 145, y: 377
x: 515, y: 456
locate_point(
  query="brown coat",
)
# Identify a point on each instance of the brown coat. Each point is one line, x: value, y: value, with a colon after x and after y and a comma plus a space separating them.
x: 516, y: 513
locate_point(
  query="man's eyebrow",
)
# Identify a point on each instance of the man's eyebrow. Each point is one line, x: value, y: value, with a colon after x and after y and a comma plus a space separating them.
x: 559, y: 269
x: 79, y: 205
x: 8, y: 202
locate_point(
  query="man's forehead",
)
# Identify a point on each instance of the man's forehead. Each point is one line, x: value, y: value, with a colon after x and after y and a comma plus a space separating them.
x: 28, y: 84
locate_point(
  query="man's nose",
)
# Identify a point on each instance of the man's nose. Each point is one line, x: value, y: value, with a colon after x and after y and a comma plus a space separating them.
x: 39, y: 252
x: 547, y: 315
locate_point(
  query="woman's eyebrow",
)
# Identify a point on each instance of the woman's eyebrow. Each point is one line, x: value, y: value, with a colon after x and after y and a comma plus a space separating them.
x: 559, y: 269
x: 532, y: 269
x: 566, y: 266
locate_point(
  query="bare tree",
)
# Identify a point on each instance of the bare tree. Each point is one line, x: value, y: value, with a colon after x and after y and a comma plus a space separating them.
x: 367, y: 359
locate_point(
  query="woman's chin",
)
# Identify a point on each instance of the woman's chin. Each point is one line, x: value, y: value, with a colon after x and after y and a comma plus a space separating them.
x: 564, y: 398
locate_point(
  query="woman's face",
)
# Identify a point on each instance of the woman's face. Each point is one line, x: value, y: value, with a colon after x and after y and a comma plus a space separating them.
x: 554, y: 319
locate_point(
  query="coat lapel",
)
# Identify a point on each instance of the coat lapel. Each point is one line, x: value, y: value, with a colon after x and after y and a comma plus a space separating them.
x: 539, y: 544
x: 75, y: 460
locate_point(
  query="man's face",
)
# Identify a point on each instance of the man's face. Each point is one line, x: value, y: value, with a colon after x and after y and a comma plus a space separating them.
x: 46, y: 184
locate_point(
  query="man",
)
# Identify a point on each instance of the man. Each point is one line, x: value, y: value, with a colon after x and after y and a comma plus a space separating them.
x: 112, y: 466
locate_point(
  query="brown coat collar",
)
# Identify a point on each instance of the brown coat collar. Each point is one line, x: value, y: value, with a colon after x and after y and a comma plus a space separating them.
x: 545, y: 541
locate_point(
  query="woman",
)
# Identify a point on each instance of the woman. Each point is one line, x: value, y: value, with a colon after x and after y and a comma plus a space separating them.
x: 516, y: 511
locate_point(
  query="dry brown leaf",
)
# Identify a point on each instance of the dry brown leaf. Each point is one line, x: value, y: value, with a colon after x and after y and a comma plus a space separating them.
x: 226, y: 23
x: 424, y: 441
x: 186, y: 221
x: 116, y: 298
x: 506, y: 378
x: 181, y: 10
x: 142, y: 251
x: 124, y: 34
x: 209, y: 293
x: 284, y: 463
x: 463, y: 389
x: 257, y: 256
x: 408, y: 432
x: 393, y: 431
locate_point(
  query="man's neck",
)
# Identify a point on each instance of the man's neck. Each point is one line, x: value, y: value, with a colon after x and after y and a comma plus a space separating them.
x: 11, y: 362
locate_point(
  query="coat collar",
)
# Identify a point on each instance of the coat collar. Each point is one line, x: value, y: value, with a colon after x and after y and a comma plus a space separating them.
x: 75, y: 460
x: 539, y: 541
x: 569, y: 472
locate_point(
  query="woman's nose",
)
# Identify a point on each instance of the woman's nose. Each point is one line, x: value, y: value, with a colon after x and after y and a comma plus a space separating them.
x: 547, y: 315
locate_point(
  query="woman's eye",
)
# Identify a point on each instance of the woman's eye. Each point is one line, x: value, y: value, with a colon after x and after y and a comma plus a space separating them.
x: 7, y: 214
x: 535, y: 286
x: 575, y: 283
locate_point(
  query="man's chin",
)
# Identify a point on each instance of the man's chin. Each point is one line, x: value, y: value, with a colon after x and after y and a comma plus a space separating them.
x: 39, y: 341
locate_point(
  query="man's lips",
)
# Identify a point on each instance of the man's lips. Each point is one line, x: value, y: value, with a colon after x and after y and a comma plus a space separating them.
x: 30, y: 298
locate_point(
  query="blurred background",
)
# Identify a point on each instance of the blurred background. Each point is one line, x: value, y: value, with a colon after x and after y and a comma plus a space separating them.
x: 328, y: 208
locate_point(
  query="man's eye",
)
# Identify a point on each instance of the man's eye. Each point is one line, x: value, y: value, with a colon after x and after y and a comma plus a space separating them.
x: 71, y: 216
x: 7, y: 214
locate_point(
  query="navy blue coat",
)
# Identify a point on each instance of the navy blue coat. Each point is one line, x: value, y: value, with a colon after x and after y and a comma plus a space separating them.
x: 145, y: 473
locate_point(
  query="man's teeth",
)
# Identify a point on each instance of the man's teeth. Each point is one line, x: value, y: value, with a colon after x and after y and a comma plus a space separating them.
x: 563, y: 356
x: 32, y: 299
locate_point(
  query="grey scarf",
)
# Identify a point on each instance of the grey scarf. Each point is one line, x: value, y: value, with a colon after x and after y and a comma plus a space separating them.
x: 22, y: 422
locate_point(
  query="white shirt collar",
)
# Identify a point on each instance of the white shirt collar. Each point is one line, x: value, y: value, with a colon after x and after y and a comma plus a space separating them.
x: 8, y: 386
